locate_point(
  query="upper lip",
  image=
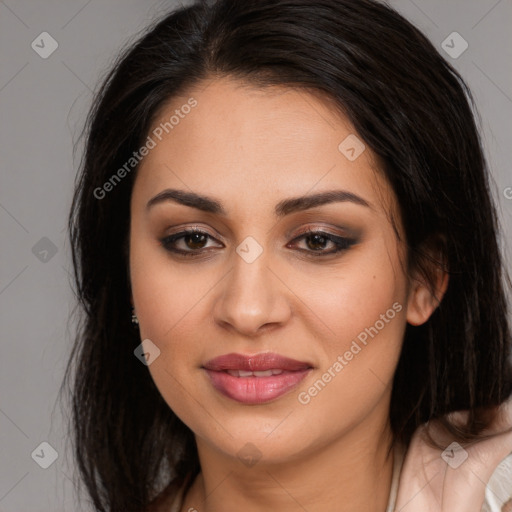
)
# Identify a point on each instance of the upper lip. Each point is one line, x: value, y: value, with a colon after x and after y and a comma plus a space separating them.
x: 257, y: 362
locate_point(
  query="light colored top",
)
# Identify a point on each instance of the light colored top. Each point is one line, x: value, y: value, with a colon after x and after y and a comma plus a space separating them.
x: 498, y: 492
x: 178, y: 502
x: 398, y: 460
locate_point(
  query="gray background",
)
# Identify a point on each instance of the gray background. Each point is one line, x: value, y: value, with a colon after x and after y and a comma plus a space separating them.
x: 43, y: 105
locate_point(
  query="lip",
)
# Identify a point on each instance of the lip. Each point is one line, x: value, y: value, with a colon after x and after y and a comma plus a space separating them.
x: 258, y: 362
x: 253, y: 390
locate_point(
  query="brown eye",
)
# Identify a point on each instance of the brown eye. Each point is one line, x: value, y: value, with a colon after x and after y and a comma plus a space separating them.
x: 316, y: 242
x: 192, y: 242
x: 195, y: 240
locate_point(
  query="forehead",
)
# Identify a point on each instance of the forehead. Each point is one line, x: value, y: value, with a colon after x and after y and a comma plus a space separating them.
x: 245, y: 143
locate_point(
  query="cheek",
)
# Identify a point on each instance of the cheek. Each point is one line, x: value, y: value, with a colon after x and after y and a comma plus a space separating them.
x: 355, y: 298
x: 171, y: 303
x: 356, y: 377
x: 165, y: 293
x: 365, y: 311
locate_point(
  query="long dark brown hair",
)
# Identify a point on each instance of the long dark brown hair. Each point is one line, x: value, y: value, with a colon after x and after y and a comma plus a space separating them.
x: 407, y: 103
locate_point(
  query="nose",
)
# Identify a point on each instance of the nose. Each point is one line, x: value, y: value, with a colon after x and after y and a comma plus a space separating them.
x: 253, y: 298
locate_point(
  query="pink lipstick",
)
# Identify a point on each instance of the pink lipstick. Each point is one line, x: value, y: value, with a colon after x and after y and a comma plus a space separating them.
x: 255, y: 379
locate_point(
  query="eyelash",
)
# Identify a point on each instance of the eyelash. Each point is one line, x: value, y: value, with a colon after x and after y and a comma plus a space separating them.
x: 342, y: 243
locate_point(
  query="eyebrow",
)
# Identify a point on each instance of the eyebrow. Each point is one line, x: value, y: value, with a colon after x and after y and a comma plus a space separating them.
x: 285, y: 207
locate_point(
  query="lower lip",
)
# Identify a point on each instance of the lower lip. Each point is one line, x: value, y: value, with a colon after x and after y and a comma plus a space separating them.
x: 255, y: 390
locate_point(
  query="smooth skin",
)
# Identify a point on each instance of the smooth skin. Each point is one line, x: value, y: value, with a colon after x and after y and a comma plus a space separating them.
x: 250, y: 149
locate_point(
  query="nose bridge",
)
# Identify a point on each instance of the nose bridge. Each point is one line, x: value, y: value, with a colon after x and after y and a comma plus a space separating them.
x: 252, y: 296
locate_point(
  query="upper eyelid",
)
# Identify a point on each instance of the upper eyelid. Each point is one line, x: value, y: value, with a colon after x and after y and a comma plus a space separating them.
x: 180, y: 234
x: 304, y: 232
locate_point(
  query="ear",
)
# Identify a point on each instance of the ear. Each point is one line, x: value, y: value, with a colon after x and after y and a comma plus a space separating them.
x: 422, y: 300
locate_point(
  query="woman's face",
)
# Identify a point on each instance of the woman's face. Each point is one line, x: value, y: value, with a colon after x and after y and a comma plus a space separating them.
x: 251, y: 282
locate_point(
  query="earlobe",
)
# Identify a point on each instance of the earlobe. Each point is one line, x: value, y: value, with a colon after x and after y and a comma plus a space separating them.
x: 420, y: 305
x: 422, y: 302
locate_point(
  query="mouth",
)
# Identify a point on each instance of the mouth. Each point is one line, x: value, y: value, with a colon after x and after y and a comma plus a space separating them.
x: 255, y: 379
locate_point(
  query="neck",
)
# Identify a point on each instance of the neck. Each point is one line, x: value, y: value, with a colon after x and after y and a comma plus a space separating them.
x: 351, y: 473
